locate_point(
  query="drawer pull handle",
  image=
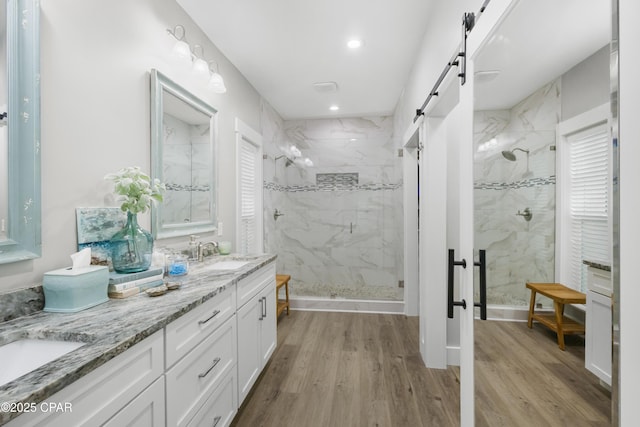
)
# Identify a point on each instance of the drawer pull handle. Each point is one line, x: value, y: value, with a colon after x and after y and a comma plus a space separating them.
x: 216, y: 420
x: 215, y: 362
x: 202, y: 322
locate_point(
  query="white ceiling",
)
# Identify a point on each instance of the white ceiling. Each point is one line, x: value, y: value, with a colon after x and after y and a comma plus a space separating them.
x: 539, y: 41
x: 283, y: 47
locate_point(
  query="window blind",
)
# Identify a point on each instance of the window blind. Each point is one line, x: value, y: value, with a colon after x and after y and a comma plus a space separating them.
x: 589, y: 200
x: 248, y: 220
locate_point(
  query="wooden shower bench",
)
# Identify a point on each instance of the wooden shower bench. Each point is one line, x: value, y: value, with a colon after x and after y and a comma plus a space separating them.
x: 282, y: 304
x: 557, y: 322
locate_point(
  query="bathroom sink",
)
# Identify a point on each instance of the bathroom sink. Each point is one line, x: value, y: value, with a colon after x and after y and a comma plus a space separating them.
x: 222, y: 266
x: 25, y: 355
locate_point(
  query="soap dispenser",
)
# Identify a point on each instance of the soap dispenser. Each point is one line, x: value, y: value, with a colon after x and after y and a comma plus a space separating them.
x: 193, y: 248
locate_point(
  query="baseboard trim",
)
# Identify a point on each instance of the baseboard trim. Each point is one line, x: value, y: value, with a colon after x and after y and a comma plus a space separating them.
x: 453, y: 356
x: 346, y: 305
x: 521, y: 314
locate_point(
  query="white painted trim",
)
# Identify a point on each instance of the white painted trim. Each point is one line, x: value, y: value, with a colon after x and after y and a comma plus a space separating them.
x: 433, y: 245
x: 410, y: 224
x: 246, y: 133
x: 346, y: 305
x: 411, y: 130
x: 453, y: 355
x: 463, y: 138
x: 564, y: 129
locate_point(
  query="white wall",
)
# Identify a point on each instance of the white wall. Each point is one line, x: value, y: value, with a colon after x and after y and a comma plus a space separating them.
x: 441, y: 38
x: 95, y: 62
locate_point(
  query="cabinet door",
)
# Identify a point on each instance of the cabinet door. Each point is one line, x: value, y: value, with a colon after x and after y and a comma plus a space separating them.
x: 268, y: 324
x: 249, y: 365
x: 146, y: 410
x: 598, y: 336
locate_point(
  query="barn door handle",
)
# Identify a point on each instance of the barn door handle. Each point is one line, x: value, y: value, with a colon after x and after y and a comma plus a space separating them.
x: 482, y: 263
x: 451, y: 303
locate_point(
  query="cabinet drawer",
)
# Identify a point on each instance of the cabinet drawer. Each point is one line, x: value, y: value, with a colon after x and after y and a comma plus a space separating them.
x: 599, y: 281
x: 251, y: 285
x: 197, y: 374
x: 185, y: 333
x: 220, y: 407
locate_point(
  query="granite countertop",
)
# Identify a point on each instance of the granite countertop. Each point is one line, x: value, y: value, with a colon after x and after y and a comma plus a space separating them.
x: 109, y: 329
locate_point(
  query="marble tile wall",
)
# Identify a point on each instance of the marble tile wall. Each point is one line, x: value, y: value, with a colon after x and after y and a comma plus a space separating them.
x: 187, y: 176
x: 340, y: 238
x: 517, y: 250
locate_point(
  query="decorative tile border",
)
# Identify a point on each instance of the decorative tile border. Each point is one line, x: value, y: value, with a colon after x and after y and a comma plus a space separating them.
x: 526, y: 183
x: 181, y: 187
x: 329, y: 187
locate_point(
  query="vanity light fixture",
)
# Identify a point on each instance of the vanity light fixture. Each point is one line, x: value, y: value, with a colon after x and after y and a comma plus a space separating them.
x: 216, y: 83
x: 334, y: 108
x: 195, y: 56
x: 181, y: 49
x: 200, y: 66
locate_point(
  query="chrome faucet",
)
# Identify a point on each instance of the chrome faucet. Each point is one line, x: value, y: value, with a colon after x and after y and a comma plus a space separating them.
x: 202, y: 247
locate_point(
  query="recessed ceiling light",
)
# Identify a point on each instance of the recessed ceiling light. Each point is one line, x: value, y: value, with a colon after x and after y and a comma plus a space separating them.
x: 354, y: 43
x: 334, y: 108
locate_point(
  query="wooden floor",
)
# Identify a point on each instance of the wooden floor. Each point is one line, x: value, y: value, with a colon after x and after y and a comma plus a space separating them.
x: 344, y: 369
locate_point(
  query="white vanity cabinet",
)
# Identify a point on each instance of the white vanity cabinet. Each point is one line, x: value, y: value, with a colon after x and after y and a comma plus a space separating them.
x: 256, y: 317
x: 189, y: 373
x: 108, y: 390
x: 200, y: 350
x: 598, y: 333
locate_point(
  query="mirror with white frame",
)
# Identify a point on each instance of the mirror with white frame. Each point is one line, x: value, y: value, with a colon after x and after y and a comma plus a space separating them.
x: 183, y: 147
x: 20, y: 202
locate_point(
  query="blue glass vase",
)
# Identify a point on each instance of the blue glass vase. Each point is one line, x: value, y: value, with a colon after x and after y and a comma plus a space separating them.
x: 131, y: 247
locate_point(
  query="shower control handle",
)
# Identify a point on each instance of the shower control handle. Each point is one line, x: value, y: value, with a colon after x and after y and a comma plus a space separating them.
x: 526, y: 214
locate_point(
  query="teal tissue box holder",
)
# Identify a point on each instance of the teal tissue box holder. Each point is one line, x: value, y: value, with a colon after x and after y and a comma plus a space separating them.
x: 68, y: 291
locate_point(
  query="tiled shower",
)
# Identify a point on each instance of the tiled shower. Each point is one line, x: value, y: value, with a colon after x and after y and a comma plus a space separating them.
x: 339, y: 232
x: 518, y: 250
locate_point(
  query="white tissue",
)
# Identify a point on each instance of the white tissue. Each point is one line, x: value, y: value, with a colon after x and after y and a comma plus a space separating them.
x: 81, y: 259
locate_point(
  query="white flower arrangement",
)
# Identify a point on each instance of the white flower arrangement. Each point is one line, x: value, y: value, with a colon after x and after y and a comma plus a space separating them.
x: 135, y: 189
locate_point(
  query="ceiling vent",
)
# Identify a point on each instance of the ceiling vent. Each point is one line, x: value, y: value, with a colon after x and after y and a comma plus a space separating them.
x: 326, y: 87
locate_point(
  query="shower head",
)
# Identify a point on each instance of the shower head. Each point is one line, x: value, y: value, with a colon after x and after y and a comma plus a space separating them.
x: 288, y: 161
x: 510, y: 155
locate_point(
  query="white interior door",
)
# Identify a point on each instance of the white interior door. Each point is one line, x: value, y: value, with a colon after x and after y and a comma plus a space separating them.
x: 446, y: 223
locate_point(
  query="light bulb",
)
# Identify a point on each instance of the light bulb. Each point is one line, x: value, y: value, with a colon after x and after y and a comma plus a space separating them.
x: 216, y: 83
x: 182, y: 51
x: 295, y: 151
x: 308, y: 162
x: 200, y: 67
